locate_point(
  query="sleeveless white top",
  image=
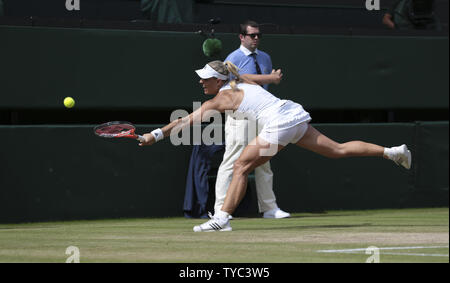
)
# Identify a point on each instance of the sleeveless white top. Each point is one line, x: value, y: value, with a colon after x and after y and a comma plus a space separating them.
x: 268, y: 110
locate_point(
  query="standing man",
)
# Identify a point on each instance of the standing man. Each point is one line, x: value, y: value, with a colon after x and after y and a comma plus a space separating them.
x: 249, y: 60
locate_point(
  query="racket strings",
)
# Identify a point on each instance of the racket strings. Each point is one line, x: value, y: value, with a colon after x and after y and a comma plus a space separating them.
x: 115, y: 129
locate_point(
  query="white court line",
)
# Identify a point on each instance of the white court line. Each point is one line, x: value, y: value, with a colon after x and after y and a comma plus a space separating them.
x: 353, y: 251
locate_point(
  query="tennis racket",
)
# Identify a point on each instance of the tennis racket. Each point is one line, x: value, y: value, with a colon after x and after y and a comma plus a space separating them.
x: 117, y: 129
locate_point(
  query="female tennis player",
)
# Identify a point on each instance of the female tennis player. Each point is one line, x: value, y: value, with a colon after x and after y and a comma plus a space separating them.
x: 282, y: 121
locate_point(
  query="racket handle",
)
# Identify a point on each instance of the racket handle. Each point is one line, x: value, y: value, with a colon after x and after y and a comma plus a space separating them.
x: 140, y: 138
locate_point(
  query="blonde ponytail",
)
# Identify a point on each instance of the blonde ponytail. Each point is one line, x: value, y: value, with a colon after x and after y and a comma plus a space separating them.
x: 234, y: 70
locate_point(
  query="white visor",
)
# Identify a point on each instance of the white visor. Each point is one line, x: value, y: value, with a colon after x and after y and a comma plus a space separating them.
x: 208, y: 72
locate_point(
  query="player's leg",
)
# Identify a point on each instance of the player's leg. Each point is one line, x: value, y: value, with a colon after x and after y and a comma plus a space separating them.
x: 237, y: 134
x: 267, y: 202
x: 317, y: 142
x: 235, y: 142
x: 234, y: 145
x: 256, y: 153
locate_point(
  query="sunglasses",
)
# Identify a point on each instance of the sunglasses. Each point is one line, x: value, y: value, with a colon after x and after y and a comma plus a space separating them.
x: 253, y: 35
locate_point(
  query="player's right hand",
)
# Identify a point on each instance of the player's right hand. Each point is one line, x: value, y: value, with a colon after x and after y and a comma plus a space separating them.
x: 149, y: 139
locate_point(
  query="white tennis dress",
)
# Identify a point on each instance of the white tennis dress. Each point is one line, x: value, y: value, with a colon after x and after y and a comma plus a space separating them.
x: 282, y: 121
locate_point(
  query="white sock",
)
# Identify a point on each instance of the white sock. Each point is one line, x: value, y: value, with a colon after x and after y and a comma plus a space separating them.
x: 221, y: 214
x: 389, y: 152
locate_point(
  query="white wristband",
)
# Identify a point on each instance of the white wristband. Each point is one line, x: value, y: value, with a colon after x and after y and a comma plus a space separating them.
x: 158, y: 134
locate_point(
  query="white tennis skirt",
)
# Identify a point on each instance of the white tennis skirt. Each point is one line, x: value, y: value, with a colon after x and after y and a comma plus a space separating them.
x: 289, y: 125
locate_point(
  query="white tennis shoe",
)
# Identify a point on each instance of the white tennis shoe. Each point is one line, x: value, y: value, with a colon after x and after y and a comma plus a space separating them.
x: 214, y: 224
x: 276, y: 213
x: 402, y: 156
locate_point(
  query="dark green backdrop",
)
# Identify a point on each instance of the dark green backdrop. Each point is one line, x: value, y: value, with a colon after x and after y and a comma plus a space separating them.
x: 145, y: 69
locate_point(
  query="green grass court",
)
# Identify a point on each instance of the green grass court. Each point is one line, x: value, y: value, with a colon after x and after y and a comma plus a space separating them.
x: 402, y: 235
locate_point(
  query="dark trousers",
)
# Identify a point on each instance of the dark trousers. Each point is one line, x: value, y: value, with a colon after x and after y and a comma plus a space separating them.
x: 197, y: 186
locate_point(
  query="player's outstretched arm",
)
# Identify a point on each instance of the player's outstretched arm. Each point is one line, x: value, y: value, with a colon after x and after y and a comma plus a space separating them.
x: 219, y: 103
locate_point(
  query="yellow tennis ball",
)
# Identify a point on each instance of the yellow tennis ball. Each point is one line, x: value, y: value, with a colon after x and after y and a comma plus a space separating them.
x: 69, y: 102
